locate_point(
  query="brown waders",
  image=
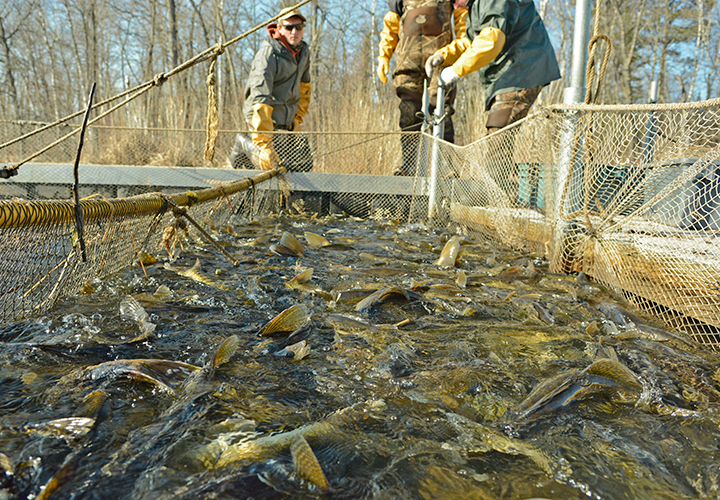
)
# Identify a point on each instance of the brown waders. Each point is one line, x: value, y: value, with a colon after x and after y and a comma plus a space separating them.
x: 425, y: 27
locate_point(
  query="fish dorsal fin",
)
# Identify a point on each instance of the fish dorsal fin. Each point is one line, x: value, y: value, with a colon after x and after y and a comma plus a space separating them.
x: 225, y: 351
x: 610, y: 372
x: 306, y: 463
x: 290, y: 320
x: 195, y: 267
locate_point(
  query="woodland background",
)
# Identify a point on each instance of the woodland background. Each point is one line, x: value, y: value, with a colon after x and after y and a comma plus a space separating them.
x: 51, y: 51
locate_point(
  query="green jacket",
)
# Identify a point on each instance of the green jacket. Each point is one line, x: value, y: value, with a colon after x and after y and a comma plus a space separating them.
x: 527, y: 59
x: 275, y: 79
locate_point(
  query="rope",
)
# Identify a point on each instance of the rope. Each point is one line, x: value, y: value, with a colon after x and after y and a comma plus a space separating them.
x: 13, y: 169
x: 590, y: 70
x: 590, y: 99
x: 212, y: 122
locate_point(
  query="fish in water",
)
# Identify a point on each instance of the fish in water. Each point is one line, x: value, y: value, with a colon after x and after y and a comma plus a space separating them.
x: 131, y: 310
x: 195, y: 273
x: 450, y: 253
x: 381, y: 295
x: 140, y: 447
x: 288, y: 246
x: 603, y: 376
x: 295, y: 351
x: 191, y: 388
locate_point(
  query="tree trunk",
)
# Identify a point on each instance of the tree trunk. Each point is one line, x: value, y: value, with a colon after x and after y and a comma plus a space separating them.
x: 9, y: 77
x: 173, y: 34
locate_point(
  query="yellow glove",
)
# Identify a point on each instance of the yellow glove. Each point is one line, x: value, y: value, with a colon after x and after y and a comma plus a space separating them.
x: 484, y: 48
x: 305, y: 89
x: 389, y: 38
x: 383, y: 68
x: 265, y: 156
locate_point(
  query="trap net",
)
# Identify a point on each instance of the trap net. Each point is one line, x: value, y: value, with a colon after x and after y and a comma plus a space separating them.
x: 627, y: 195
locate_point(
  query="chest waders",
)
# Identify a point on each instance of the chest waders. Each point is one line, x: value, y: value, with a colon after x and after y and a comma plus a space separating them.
x: 425, y: 27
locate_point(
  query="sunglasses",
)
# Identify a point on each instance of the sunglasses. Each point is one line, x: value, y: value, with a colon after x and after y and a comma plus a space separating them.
x: 296, y: 27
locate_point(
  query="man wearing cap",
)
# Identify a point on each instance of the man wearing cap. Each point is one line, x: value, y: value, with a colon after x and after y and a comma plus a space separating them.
x: 277, y: 95
x: 414, y: 30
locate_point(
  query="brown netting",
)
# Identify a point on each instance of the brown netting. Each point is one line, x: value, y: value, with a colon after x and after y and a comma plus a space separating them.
x: 628, y: 195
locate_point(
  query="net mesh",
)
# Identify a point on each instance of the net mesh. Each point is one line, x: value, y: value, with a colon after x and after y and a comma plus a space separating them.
x: 628, y: 195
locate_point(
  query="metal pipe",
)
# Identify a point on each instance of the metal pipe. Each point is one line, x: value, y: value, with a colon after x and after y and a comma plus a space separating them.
x: 574, y: 94
x: 426, y: 107
x: 438, y: 133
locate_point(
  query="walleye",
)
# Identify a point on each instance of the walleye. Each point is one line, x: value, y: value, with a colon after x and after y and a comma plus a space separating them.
x: 334, y: 427
x: 139, y: 447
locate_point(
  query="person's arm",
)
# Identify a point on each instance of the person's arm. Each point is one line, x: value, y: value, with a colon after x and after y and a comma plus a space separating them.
x: 460, y: 16
x: 452, y: 52
x: 388, y: 41
x: 260, y: 87
x: 259, y: 91
x: 483, y: 49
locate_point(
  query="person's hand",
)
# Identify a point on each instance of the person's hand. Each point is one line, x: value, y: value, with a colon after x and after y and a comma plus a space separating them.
x: 296, y: 127
x: 448, y: 76
x: 268, y: 158
x: 383, y: 69
x: 433, y: 62
x: 265, y: 156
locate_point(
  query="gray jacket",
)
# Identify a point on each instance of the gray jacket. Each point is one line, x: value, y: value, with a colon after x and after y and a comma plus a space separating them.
x: 275, y: 79
x: 527, y: 60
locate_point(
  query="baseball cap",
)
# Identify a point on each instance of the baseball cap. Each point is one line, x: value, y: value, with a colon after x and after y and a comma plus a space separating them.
x: 287, y: 13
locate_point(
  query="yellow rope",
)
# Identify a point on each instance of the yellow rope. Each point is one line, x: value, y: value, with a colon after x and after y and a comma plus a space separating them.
x: 44, y: 213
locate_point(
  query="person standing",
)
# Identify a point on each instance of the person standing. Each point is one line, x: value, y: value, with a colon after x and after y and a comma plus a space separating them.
x: 414, y: 30
x: 508, y: 44
x: 277, y: 96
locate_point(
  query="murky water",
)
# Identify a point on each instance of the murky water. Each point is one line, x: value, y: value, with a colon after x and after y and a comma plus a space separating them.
x: 418, y: 393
